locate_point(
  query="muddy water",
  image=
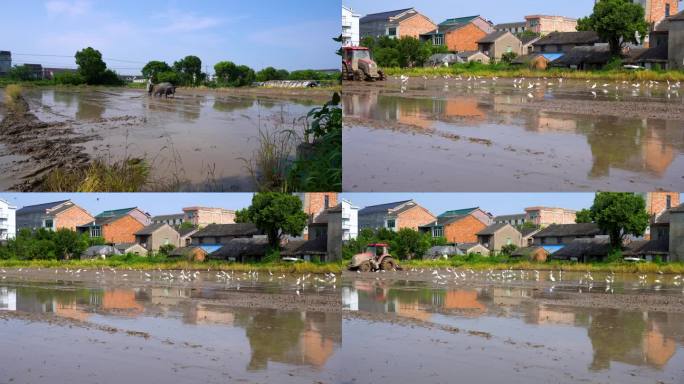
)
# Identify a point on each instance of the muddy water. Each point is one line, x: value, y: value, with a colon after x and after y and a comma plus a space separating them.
x: 198, y: 138
x: 493, y: 327
x: 448, y: 134
x: 101, y: 326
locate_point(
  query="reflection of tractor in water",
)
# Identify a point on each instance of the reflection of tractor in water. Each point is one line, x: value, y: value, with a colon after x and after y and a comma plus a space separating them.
x: 358, y: 65
x: 375, y: 258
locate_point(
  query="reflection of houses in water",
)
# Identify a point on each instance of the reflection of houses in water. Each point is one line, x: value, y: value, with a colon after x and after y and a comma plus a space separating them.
x: 549, y: 315
x: 8, y: 299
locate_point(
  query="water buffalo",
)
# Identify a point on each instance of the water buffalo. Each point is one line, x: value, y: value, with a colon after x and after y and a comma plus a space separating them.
x: 165, y: 89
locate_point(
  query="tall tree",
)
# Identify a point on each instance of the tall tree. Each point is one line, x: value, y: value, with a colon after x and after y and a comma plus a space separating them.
x: 277, y: 214
x: 620, y: 214
x: 584, y: 216
x: 154, y: 68
x: 90, y: 65
x: 616, y: 21
x: 190, y: 67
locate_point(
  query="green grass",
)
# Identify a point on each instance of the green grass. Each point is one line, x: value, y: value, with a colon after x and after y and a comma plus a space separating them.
x: 129, y: 175
x: 483, y: 264
x: 12, y: 93
x: 161, y: 263
x: 513, y: 72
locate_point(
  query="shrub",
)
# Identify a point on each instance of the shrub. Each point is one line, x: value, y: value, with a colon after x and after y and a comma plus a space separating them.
x: 69, y: 78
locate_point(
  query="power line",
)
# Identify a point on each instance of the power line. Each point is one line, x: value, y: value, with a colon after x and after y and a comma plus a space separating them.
x: 72, y: 56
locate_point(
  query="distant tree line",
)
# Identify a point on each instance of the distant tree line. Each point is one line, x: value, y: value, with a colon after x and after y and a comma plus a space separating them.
x: 405, y: 52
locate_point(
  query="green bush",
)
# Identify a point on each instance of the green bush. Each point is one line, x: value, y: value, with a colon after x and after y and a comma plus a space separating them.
x: 169, y: 77
x: 69, y: 78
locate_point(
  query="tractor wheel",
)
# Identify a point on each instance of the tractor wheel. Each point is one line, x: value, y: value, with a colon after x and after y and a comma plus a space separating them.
x: 388, y: 264
x: 365, y: 266
x: 382, y: 76
x: 359, y: 75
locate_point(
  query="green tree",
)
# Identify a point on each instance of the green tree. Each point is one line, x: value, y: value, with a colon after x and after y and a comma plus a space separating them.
x: 584, y: 216
x: 21, y: 73
x: 69, y: 243
x: 620, y: 214
x: 409, y: 243
x: 508, y: 249
x: 154, y: 68
x: 170, y: 77
x: 90, y: 65
x: 277, y: 214
x: 508, y: 57
x: 190, y: 69
x: 187, y: 225
x: 231, y: 74
x: 412, y: 52
x: 616, y: 21
x: 270, y: 73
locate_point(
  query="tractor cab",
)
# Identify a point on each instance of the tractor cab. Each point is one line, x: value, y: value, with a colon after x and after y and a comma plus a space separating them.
x: 358, y: 65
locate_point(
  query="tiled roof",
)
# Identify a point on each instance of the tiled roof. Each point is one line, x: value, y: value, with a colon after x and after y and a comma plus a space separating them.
x: 382, y: 207
x: 383, y: 15
x: 39, y: 207
x: 220, y: 230
x: 150, y: 229
x: 562, y: 38
x: 492, y: 229
x: 564, y: 230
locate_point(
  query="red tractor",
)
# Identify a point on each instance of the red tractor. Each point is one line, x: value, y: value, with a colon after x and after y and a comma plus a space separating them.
x: 376, y: 257
x: 358, y: 65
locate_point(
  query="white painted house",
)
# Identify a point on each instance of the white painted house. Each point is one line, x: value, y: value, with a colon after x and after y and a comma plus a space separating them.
x: 350, y: 28
x: 8, y: 221
x: 350, y: 221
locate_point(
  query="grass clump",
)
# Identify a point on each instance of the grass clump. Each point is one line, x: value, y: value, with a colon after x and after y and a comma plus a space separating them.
x: 128, y: 175
x: 12, y: 94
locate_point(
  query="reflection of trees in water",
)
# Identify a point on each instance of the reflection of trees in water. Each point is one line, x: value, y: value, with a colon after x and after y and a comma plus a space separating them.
x: 616, y: 336
x: 301, y: 338
x: 232, y: 104
x: 40, y: 300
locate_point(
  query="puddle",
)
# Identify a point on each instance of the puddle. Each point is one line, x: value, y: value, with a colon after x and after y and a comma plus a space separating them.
x: 493, y: 329
x: 200, y: 136
x: 87, y: 326
x: 553, y: 137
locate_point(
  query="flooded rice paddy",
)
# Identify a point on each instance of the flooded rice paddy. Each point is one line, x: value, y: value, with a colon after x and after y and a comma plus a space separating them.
x: 509, y: 135
x: 197, y: 140
x: 110, y: 326
x: 511, y: 326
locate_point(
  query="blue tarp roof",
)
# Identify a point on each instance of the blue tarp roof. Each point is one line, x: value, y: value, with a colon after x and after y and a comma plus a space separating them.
x: 553, y: 56
x: 552, y: 248
x: 209, y: 249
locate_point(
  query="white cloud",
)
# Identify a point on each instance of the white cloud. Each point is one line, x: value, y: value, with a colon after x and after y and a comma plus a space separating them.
x: 68, y: 8
x: 176, y: 21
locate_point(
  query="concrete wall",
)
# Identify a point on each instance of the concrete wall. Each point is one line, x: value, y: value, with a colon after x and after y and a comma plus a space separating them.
x: 505, y: 236
x: 350, y: 27
x: 350, y: 221
x: 547, y: 24
x: 8, y: 224
x: 677, y: 236
x: 507, y: 43
x: 373, y: 29
x: 676, y: 45
x: 162, y: 236
x: 335, y: 237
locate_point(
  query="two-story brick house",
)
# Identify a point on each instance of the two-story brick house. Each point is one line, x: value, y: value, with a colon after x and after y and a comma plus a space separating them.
x: 54, y: 215
x: 399, y: 23
x: 117, y: 226
x: 394, y: 216
x: 460, y: 34
x: 459, y: 226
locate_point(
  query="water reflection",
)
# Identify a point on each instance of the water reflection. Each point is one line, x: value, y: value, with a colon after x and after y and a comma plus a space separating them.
x: 641, y: 146
x: 299, y: 338
x: 633, y: 337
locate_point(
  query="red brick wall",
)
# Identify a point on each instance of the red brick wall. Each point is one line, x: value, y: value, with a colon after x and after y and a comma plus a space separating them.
x: 656, y: 12
x: 72, y: 218
x: 316, y: 202
x: 464, y: 230
x: 464, y: 39
x: 121, y: 230
x: 656, y: 202
x: 414, y: 218
x: 415, y: 26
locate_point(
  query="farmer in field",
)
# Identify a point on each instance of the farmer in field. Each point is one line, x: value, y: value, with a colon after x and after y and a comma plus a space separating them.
x: 150, y: 86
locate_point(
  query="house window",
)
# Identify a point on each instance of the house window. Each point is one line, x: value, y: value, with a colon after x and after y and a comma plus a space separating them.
x: 392, y: 32
x: 509, y: 241
x: 438, y: 232
x: 667, y: 10
x: 438, y: 40
x: 95, y: 232
x: 391, y: 223
x: 327, y: 201
x: 509, y: 49
x: 669, y: 201
x: 49, y: 223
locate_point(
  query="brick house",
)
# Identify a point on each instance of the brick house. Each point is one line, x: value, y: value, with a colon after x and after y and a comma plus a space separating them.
x: 496, y: 236
x: 203, y: 216
x: 545, y: 24
x: 54, y: 216
x: 395, y: 216
x: 395, y: 24
x: 563, y: 234
x: 154, y: 236
x: 564, y: 42
x: 460, y: 34
x: 216, y: 234
x: 459, y: 226
x: 113, y: 229
x: 545, y: 216
x: 496, y: 44
x: 658, y: 10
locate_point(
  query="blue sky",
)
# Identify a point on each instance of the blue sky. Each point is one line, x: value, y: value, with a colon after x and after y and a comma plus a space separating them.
x: 293, y: 34
x: 153, y: 203
x: 499, y: 11
x: 495, y: 203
